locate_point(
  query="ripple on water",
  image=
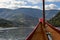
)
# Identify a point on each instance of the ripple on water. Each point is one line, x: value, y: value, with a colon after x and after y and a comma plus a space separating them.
x: 14, y: 33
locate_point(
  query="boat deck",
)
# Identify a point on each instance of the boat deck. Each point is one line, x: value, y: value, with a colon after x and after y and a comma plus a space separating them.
x: 40, y: 33
x: 55, y: 33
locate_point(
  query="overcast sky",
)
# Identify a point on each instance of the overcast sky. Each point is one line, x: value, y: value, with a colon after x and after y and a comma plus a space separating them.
x: 13, y: 4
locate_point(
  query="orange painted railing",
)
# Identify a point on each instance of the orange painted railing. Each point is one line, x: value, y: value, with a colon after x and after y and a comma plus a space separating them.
x: 55, y: 33
x: 53, y: 27
x: 40, y: 31
x: 30, y: 35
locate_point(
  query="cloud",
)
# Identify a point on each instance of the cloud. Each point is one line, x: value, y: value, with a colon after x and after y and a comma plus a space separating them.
x: 11, y: 3
x: 40, y: 1
x: 36, y: 7
x: 34, y: 1
x: 58, y: 8
x: 52, y: 0
x: 51, y: 6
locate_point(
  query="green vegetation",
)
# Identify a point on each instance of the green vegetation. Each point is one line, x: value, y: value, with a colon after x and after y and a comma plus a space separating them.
x: 20, y: 21
x: 6, y: 23
x: 55, y: 20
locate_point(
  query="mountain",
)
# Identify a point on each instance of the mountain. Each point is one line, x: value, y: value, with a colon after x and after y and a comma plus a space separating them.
x: 55, y: 20
x: 25, y: 16
x: 51, y: 13
x: 20, y: 21
x: 5, y: 23
x: 9, y: 13
x: 26, y: 20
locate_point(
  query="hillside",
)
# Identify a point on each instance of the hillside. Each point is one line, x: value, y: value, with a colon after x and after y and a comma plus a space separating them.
x: 26, y: 20
x: 9, y: 13
x: 56, y: 20
x: 5, y: 23
x: 20, y: 21
x: 26, y: 17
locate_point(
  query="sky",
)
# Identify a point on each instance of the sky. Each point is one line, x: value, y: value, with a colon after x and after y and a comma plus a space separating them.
x: 37, y: 4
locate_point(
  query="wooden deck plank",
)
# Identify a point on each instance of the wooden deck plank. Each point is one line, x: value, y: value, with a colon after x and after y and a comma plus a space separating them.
x: 39, y: 34
x: 55, y: 35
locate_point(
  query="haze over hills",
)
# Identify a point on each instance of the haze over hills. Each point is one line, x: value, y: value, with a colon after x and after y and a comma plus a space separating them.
x: 25, y: 16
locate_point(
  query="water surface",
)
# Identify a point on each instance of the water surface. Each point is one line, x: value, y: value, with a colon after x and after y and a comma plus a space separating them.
x: 15, y: 33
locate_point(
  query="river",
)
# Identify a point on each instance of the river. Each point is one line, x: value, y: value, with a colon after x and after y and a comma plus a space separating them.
x: 14, y: 33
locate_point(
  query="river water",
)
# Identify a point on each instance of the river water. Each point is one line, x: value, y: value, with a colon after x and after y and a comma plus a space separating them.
x: 15, y: 33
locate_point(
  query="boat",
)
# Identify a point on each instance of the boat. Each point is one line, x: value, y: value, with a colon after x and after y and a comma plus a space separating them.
x: 44, y: 30
x: 49, y: 32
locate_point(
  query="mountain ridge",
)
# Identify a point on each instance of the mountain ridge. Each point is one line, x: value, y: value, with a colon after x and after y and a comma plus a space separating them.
x: 27, y: 11
x: 25, y: 16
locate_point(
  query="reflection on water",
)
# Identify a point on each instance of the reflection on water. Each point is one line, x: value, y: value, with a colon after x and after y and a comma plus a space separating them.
x: 14, y: 33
